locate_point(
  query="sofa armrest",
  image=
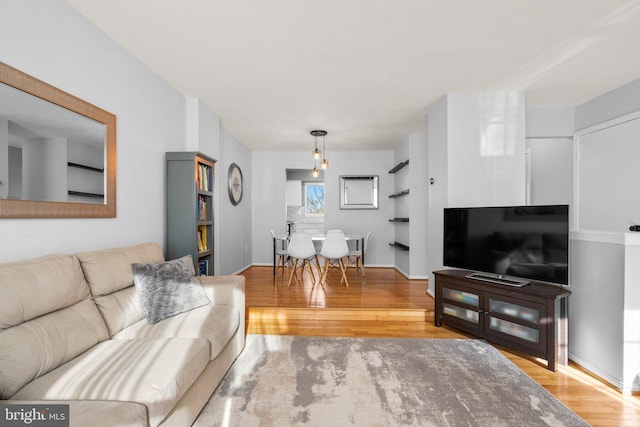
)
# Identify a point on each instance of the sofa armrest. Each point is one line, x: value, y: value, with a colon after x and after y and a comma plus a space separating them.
x: 224, y: 290
x: 227, y: 290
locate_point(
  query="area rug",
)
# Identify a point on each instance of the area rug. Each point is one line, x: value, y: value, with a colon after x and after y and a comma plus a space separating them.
x: 320, y: 381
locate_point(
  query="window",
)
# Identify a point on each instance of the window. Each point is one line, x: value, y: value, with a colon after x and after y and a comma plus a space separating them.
x: 314, y: 198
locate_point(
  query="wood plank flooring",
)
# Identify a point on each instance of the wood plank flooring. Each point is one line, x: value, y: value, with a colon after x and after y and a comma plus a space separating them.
x: 389, y: 305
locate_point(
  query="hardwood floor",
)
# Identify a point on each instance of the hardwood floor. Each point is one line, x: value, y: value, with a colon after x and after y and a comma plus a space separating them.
x: 389, y: 305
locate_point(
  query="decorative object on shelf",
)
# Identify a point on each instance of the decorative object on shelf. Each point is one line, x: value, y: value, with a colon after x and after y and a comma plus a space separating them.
x: 234, y: 178
x: 316, y: 153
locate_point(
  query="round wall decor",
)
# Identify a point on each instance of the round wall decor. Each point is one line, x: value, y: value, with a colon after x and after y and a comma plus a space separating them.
x: 235, y: 185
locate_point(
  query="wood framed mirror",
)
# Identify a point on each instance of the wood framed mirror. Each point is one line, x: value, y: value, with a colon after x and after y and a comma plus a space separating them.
x: 57, y: 152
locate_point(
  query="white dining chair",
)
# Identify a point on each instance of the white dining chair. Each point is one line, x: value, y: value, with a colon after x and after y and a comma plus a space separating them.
x: 334, y: 249
x: 281, y: 254
x: 301, y: 249
x: 355, y: 255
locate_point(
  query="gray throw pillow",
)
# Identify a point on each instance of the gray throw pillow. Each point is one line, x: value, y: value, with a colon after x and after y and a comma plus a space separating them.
x: 168, y: 288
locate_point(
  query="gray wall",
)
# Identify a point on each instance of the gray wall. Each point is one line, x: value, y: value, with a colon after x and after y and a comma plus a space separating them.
x: 616, y: 103
x: 269, y: 199
x: 152, y: 118
x: 596, y: 306
x: 150, y: 121
x: 603, y: 274
x: 234, y: 222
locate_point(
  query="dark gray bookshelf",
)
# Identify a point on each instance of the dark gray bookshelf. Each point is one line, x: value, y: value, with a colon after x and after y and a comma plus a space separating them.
x: 190, y: 208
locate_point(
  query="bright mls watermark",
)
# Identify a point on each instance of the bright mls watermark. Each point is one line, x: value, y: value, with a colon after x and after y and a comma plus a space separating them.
x: 34, y: 415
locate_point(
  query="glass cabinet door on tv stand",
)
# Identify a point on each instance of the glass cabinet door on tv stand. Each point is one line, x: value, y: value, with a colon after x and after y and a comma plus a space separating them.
x: 531, y: 319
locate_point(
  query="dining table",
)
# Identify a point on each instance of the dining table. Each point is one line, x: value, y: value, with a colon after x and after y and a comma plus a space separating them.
x: 319, y: 238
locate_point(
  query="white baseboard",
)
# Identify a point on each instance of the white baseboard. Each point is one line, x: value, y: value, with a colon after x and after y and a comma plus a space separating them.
x: 244, y: 269
x: 589, y: 367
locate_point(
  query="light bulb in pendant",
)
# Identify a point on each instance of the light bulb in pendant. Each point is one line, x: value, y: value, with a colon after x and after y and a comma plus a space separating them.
x: 316, y: 153
x: 324, y: 164
x: 315, y: 172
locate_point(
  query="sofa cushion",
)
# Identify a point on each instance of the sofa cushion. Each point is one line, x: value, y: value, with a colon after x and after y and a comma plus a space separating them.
x: 168, y: 288
x: 153, y: 372
x: 216, y: 324
x: 22, y: 285
x: 34, y: 348
x: 110, y: 279
x: 109, y: 270
x: 47, y: 317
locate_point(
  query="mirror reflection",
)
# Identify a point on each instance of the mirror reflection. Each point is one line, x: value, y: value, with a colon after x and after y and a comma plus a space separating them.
x: 50, y: 153
x: 57, y: 152
x: 359, y: 192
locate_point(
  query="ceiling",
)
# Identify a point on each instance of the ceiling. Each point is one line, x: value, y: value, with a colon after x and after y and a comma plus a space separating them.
x: 367, y: 70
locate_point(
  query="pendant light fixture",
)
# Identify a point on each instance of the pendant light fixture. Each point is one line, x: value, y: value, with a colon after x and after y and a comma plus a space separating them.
x: 316, y: 153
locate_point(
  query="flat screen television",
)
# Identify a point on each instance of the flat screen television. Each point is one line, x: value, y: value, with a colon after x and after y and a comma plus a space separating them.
x: 511, y: 245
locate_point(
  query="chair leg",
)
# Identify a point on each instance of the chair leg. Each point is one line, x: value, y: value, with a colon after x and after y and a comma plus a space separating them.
x: 313, y: 276
x: 319, y: 270
x: 294, y: 266
x: 323, y: 279
x: 280, y: 264
x: 344, y: 272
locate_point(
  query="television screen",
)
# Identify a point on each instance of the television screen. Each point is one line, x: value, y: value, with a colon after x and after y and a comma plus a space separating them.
x: 529, y: 242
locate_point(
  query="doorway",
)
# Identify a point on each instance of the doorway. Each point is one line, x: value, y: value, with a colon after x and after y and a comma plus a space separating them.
x: 305, y: 201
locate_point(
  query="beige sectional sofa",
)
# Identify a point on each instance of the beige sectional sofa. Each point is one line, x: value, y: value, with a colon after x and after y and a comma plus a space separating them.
x: 72, y: 330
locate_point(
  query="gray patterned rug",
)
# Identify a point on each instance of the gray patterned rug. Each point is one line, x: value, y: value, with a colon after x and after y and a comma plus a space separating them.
x: 319, y: 381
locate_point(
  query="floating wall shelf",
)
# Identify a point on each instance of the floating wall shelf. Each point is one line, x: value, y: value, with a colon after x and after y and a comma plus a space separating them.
x: 85, y: 167
x: 83, y: 194
x: 399, y: 220
x: 399, y: 166
x: 401, y: 193
x: 400, y: 246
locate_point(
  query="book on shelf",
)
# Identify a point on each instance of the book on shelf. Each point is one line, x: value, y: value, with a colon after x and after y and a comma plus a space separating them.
x: 202, y: 208
x: 200, y: 247
x: 203, y: 267
x: 202, y: 238
x: 203, y: 177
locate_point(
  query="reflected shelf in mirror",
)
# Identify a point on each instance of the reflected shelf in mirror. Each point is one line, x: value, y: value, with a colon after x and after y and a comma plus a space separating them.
x: 52, y: 144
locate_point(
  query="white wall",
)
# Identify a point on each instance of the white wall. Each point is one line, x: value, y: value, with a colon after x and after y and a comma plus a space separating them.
x: 437, y: 170
x: 557, y: 122
x: 604, y: 272
x: 233, y: 223
x: 608, y: 106
x: 269, y: 199
x: 402, y: 208
x: 418, y: 177
x: 412, y: 263
x: 52, y: 42
x: 606, y: 200
x: 486, y: 149
x: 476, y: 156
x: 604, y: 307
x: 596, y: 305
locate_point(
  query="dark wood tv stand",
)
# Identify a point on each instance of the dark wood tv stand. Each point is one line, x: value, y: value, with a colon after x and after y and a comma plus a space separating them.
x: 531, y: 319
